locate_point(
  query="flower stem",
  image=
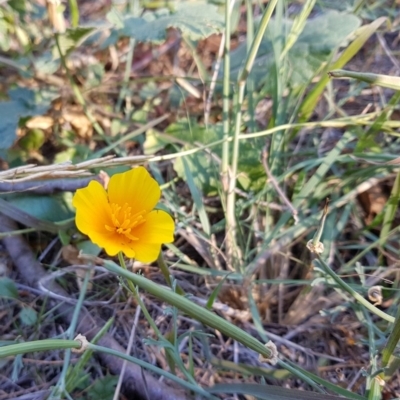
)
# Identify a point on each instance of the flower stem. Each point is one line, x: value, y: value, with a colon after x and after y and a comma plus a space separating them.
x: 165, y: 271
x: 38, y: 345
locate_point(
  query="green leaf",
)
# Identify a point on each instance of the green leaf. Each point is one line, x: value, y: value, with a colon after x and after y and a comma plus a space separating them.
x: 53, y: 208
x: 195, y: 21
x: 116, y: 18
x: 46, y: 63
x: 72, y: 38
x: 103, y: 388
x: 28, y: 316
x: 33, y: 140
x: 313, y: 47
x: 204, y: 168
x: 8, y: 289
x: 23, y: 102
x: 88, y: 247
x: 202, y: 164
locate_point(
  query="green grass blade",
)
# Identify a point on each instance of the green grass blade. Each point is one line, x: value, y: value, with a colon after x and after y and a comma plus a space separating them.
x: 270, y: 392
x: 281, y: 374
x: 364, y: 33
x: 74, y: 13
x: 197, y: 198
x: 391, y: 82
x: 391, y: 208
x: 298, y: 25
x: 215, y: 292
x: 391, y: 343
x: 322, y: 170
x: 150, y: 367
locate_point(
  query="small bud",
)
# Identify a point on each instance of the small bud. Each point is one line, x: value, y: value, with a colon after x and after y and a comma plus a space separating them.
x: 273, y: 358
x: 84, y: 344
x: 375, y: 295
x: 317, y: 248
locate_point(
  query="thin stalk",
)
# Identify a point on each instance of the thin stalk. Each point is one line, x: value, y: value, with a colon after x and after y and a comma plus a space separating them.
x: 353, y: 293
x: 241, y: 84
x: 392, y: 342
x: 76, y: 371
x: 127, y: 74
x: 165, y: 271
x: 225, y: 97
x: 226, y: 103
x: 60, y: 388
x: 250, y: 81
x: 74, y: 13
x: 372, y: 385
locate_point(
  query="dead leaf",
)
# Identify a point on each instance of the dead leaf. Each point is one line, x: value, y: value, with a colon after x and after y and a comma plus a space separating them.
x: 43, y: 122
x: 70, y: 254
x: 373, y: 201
x: 79, y: 122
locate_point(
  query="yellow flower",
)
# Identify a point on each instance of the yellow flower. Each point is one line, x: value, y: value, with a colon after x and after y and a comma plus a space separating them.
x: 122, y: 218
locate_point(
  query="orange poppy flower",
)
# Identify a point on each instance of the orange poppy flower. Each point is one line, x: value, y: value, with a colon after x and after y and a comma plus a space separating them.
x: 122, y: 218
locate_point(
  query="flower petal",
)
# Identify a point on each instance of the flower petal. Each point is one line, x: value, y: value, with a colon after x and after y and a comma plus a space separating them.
x: 136, y: 188
x: 92, y: 209
x: 115, y: 243
x: 158, y: 229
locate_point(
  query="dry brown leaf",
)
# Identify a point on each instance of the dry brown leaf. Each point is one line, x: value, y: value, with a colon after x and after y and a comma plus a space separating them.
x: 43, y: 122
x: 70, y: 254
x: 79, y: 122
x: 373, y: 201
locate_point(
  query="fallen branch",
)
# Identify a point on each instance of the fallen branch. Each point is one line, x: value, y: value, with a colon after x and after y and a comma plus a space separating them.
x: 47, y: 186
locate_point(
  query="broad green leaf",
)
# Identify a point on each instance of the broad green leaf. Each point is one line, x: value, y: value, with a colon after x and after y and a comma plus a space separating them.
x: 46, y: 63
x: 320, y: 36
x: 204, y: 168
x: 103, y: 388
x: 23, y: 102
x: 195, y: 21
x: 28, y: 316
x: 8, y: 288
x: 72, y: 38
x: 88, y: 247
x: 205, y: 171
x: 53, y: 208
x: 116, y: 18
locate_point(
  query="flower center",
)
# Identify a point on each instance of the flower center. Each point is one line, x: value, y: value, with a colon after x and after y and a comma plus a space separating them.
x: 124, y: 221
